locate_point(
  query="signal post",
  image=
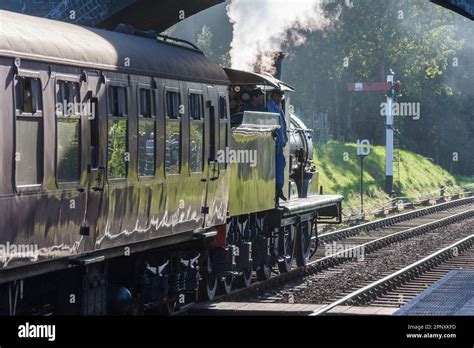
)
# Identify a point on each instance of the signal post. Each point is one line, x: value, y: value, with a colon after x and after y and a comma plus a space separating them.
x: 392, y: 90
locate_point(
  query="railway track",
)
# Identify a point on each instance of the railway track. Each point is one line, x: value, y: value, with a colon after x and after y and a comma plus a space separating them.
x: 393, y: 223
x: 334, y: 261
x: 400, y: 287
x: 369, y: 238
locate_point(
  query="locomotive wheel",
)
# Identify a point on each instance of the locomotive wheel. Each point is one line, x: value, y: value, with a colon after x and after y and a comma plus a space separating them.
x: 225, y: 286
x: 264, y: 272
x: 287, y: 249
x: 137, y: 309
x: 245, y: 266
x: 208, y: 286
x: 304, y: 245
x: 264, y: 268
x: 246, y: 278
x: 167, y: 308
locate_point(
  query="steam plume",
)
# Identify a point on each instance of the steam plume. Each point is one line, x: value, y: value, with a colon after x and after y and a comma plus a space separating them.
x: 261, y: 27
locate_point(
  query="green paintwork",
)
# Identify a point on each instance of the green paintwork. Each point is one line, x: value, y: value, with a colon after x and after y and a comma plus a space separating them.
x: 252, y: 189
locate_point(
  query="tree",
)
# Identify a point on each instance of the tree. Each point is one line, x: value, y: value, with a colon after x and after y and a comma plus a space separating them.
x: 204, y: 40
x: 417, y: 40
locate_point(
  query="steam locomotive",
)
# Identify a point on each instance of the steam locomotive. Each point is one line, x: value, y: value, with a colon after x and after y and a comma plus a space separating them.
x: 113, y: 196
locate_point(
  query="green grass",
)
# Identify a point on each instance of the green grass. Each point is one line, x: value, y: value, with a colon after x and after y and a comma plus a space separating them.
x: 339, y: 169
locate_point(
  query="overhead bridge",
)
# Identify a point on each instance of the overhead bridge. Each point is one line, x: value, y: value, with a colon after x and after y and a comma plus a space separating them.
x: 142, y: 14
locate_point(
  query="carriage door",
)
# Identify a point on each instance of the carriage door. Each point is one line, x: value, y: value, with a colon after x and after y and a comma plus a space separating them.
x: 94, y: 152
x: 212, y: 165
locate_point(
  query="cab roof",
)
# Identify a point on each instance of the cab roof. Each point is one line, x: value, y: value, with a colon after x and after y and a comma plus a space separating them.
x: 240, y: 77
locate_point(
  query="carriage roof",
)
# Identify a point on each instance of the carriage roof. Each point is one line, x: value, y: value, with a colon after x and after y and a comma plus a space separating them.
x: 50, y: 41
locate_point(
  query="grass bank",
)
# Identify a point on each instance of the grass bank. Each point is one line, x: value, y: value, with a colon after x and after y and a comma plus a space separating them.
x: 417, y: 177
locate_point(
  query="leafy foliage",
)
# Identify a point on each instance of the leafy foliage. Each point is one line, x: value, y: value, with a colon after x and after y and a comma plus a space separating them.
x: 204, y: 40
x: 429, y: 48
x: 421, y: 43
x: 117, y: 149
x: 339, y: 170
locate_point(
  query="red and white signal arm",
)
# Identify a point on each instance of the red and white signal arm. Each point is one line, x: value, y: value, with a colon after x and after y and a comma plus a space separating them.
x: 368, y: 86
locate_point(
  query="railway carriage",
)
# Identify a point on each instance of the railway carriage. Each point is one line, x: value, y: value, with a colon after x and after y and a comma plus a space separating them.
x: 112, y: 192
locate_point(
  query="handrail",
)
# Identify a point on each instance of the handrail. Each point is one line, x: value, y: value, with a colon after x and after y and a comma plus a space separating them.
x: 166, y: 38
x: 152, y: 34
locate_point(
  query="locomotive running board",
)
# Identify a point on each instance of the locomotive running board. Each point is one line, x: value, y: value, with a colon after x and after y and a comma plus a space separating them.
x: 204, y: 234
x: 329, y: 207
x: 87, y: 260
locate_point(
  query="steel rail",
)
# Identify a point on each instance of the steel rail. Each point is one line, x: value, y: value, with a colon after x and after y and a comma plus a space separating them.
x: 393, y: 279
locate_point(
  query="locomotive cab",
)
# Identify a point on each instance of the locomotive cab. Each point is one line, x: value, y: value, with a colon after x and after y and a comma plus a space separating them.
x: 301, y: 176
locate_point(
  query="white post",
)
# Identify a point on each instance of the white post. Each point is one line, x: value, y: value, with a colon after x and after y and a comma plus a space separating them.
x: 389, y: 143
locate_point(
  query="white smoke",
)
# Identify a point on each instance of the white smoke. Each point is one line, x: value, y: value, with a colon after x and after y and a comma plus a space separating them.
x: 261, y: 27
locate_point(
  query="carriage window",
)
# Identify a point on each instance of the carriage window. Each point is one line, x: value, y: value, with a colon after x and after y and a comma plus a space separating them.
x: 68, y: 150
x: 173, y: 133
x: 94, y: 133
x: 67, y: 98
x: 196, y: 120
x: 196, y: 106
x: 173, y: 147
x: 28, y: 95
x: 173, y: 100
x: 118, y: 156
x: 29, y: 132
x: 223, y: 128
x: 117, y: 101
x: 147, y: 103
x: 222, y: 108
x: 146, y: 133
x: 212, y: 133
